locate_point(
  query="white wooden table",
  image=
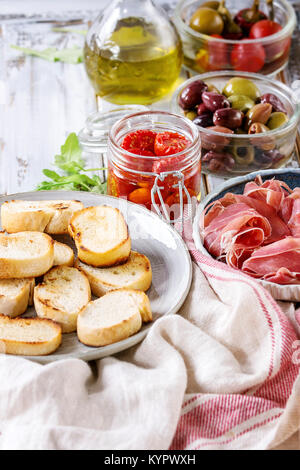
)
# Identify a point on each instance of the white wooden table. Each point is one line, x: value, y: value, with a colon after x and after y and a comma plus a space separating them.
x: 42, y: 102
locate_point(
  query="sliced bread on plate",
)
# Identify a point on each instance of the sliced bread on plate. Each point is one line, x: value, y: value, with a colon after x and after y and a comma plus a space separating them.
x: 52, y: 217
x: 64, y: 292
x: 29, y: 336
x: 136, y: 274
x: 25, y: 254
x: 15, y: 296
x: 111, y: 318
x: 63, y: 254
x: 143, y: 302
x: 101, y: 236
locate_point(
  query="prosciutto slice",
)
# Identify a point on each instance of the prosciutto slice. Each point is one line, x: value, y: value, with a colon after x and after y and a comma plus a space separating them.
x: 279, y: 228
x: 271, y: 191
x: 290, y: 212
x: 278, y: 262
x: 235, y: 257
x: 236, y: 225
x: 257, y: 232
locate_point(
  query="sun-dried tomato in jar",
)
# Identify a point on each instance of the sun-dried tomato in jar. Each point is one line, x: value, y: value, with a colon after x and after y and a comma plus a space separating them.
x: 154, y: 160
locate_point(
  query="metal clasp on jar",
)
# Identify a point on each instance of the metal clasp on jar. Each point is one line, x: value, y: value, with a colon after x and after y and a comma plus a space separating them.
x: 163, y: 212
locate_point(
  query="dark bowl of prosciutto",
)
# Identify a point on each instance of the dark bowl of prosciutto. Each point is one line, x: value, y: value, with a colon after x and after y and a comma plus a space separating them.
x: 252, y: 223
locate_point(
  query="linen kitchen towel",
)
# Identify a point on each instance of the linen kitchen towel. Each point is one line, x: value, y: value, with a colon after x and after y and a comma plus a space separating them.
x: 221, y: 374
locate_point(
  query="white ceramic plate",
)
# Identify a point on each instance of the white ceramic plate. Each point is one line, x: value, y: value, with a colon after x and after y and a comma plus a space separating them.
x: 291, y: 176
x: 168, y: 254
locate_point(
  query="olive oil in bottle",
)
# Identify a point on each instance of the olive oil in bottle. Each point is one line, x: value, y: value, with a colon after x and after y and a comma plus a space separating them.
x: 133, y: 59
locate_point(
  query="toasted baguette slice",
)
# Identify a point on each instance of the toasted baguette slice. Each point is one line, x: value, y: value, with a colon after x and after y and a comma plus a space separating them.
x: 111, y: 318
x: 101, y: 236
x: 15, y: 296
x: 136, y: 274
x: 63, y: 293
x: 143, y: 302
x: 52, y: 217
x: 32, y: 286
x: 25, y: 254
x: 29, y: 336
x: 63, y: 254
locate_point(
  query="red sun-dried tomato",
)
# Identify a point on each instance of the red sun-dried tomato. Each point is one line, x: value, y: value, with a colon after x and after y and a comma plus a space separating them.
x: 169, y: 143
x: 141, y: 164
x: 143, y: 153
x: 141, y: 139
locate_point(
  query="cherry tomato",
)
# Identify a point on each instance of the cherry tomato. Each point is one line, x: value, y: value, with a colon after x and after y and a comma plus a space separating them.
x: 142, y: 164
x: 112, y: 185
x: 140, y: 196
x: 171, y: 164
x: 141, y: 139
x: 168, y: 143
x: 142, y: 152
x: 173, y: 202
x: 175, y: 199
x: 117, y: 184
x: 217, y: 54
x: 264, y: 28
x: 248, y: 57
x: 201, y: 60
x: 267, y: 28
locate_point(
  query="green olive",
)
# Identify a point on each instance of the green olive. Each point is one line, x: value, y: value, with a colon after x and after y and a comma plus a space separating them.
x: 241, y: 86
x: 243, y: 155
x: 207, y: 21
x: 241, y: 102
x: 276, y: 120
x: 213, y: 5
x: 190, y: 115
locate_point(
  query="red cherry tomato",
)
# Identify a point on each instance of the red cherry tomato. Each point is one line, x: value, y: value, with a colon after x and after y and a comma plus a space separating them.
x: 166, y: 164
x: 168, y: 143
x: 112, y: 185
x: 143, y: 164
x: 140, y: 139
x: 217, y: 54
x: 142, y: 152
x: 248, y: 57
x: 140, y: 196
x: 175, y: 199
x: 264, y: 28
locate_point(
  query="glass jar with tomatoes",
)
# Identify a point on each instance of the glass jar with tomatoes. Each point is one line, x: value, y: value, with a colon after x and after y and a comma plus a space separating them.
x: 154, y: 160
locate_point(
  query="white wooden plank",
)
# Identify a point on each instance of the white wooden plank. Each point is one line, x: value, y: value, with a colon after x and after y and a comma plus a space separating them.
x: 45, y: 101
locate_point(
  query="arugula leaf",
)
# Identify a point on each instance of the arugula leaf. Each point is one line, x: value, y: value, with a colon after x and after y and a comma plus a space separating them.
x: 71, y: 162
x: 71, y: 55
x: 70, y: 159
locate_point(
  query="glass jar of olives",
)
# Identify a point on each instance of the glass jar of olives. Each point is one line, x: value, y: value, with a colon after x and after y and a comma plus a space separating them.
x: 247, y: 36
x: 247, y: 122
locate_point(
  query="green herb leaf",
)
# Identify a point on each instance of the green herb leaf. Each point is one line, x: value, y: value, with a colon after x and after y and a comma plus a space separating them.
x: 70, y: 159
x: 71, y: 55
x: 71, y: 162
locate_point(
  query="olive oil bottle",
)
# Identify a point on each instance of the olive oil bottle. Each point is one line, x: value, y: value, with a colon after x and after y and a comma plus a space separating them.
x: 132, y: 53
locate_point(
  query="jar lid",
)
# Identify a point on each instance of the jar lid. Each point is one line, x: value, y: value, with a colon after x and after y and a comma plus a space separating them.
x: 93, y: 137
